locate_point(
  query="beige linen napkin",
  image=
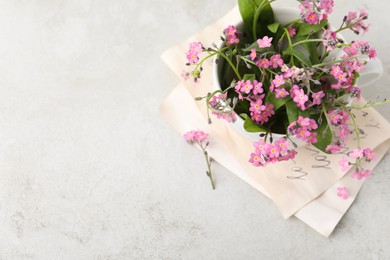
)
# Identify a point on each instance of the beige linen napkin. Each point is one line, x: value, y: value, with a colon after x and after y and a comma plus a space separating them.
x: 291, y: 185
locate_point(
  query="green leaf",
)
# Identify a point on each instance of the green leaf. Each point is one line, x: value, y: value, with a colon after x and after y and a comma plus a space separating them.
x: 277, y: 102
x: 251, y: 126
x: 324, y: 135
x: 292, y: 111
x: 306, y: 29
x: 248, y: 10
x: 250, y: 77
x: 299, y: 55
x: 356, y: 75
x: 273, y: 27
x: 259, y: 50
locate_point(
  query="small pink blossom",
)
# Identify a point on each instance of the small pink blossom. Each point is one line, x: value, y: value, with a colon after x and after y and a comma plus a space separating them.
x: 343, y: 132
x: 317, y: 97
x: 231, y: 30
x: 336, y: 71
x: 369, y: 154
x: 311, y: 18
x: 361, y: 174
x: 333, y: 148
x: 344, y: 163
x: 256, y: 160
x: 257, y: 87
x: 300, y: 98
x: 278, y: 81
x: 196, y: 47
x: 292, y: 31
x: 281, y: 93
x: 263, y: 63
x: 338, y: 117
x: 232, y: 40
x: 253, y: 54
x: 192, y: 58
x: 276, y: 61
x: 265, y: 42
x: 294, y: 89
x: 282, y: 144
x: 257, y: 106
x: 342, y: 192
x: 372, y: 54
x: 246, y: 87
x: 356, y: 153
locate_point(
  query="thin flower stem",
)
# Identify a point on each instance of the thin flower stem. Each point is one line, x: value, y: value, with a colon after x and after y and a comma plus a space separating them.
x: 288, y: 37
x: 289, y: 45
x: 347, y: 27
x: 257, y: 14
x: 310, y: 40
x: 355, y: 126
x: 211, y: 54
x: 208, y: 161
x: 231, y: 64
x: 370, y: 105
x: 325, y: 112
x: 335, y: 61
x: 292, y: 22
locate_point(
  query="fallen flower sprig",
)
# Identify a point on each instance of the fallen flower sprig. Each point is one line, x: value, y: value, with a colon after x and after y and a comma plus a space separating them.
x: 198, y: 137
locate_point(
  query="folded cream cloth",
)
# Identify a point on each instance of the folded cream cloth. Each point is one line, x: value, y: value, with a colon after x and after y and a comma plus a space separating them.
x: 305, y: 186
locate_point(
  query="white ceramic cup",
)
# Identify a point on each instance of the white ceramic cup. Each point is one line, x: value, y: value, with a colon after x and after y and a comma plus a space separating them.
x: 372, y: 72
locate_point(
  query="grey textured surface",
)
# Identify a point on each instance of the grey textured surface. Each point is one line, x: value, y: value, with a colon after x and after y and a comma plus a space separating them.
x: 89, y: 170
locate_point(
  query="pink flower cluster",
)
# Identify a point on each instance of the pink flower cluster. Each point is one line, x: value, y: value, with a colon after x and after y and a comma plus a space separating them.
x: 314, y: 11
x: 338, y: 120
x: 195, y: 49
x: 231, y: 34
x: 358, y: 154
x: 271, y: 153
x: 195, y: 136
x: 360, y: 47
x: 365, y: 153
x: 260, y: 111
x: 356, y: 22
x: 222, y: 107
x: 299, y: 96
x: 345, y: 72
x: 303, y: 129
x: 275, y: 61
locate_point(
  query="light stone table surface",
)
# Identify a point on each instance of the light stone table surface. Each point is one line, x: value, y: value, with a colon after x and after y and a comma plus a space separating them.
x: 89, y: 170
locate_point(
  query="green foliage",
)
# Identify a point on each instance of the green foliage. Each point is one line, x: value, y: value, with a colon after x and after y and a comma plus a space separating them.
x: 292, y: 111
x: 251, y: 126
x: 305, y: 29
x: 249, y: 9
x: 299, y: 55
x: 250, y: 77
x: 277, y: 102
x: 324, y: 135
x: 273, y: 27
